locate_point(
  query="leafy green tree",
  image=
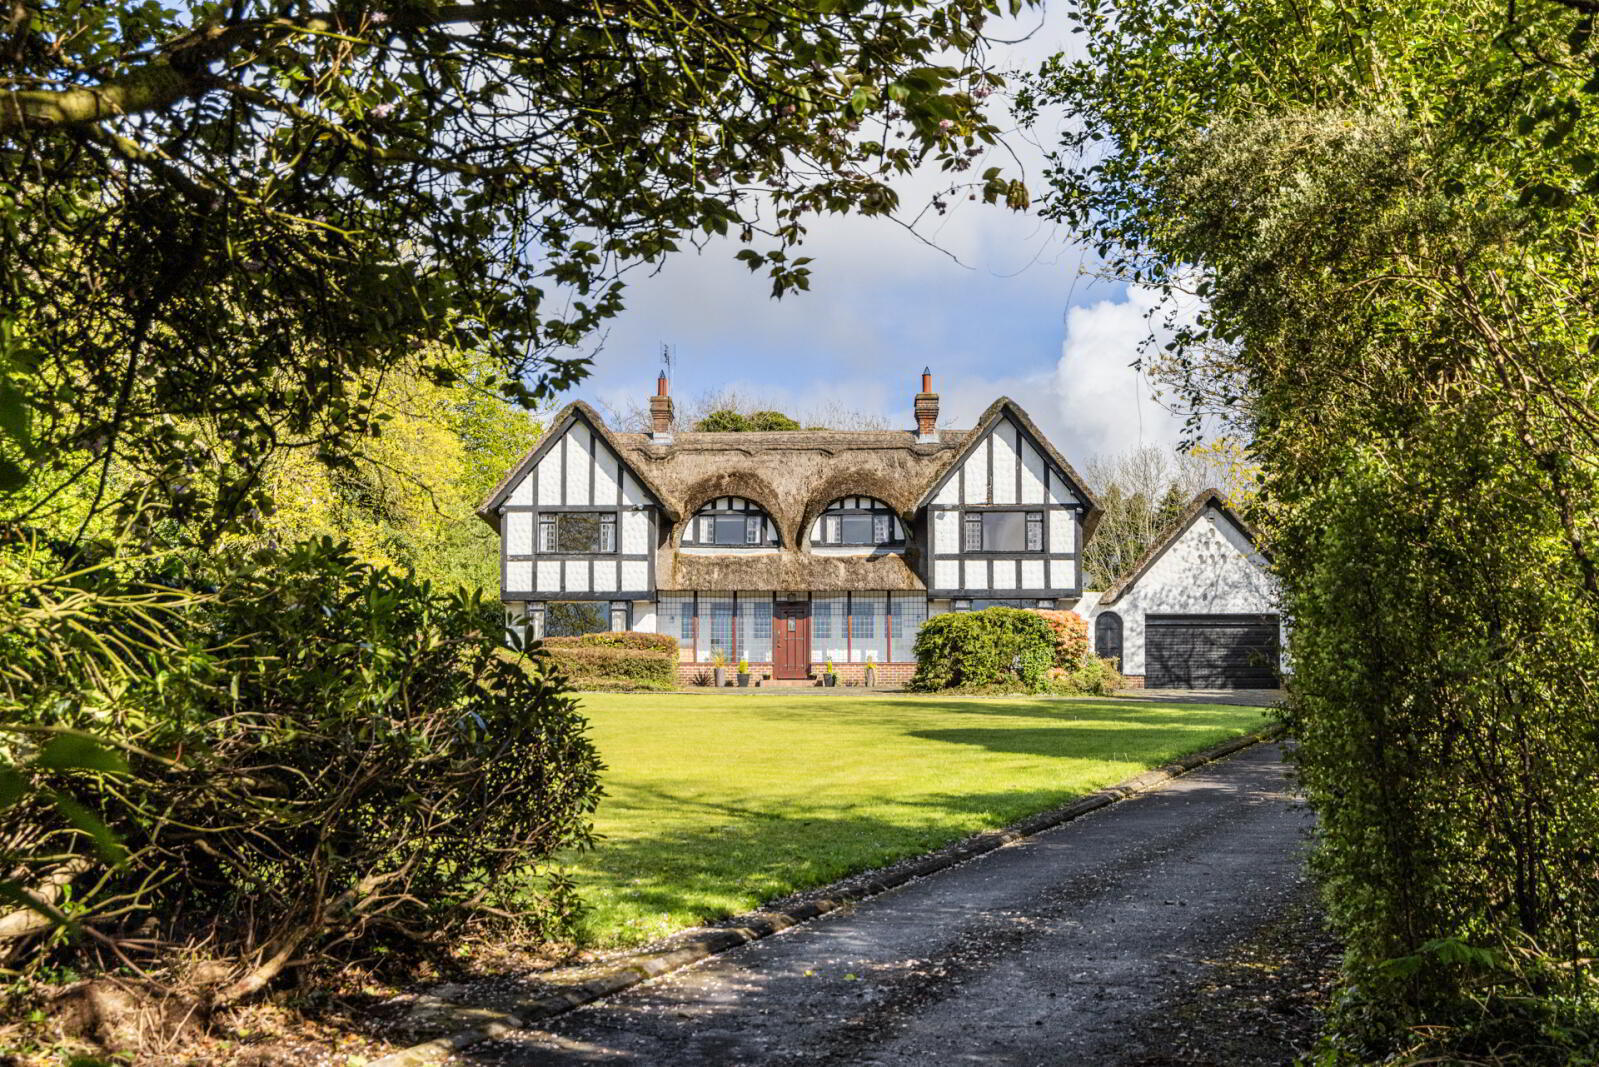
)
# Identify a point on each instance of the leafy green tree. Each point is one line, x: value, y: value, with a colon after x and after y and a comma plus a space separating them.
x: 1137, y: 489
x: 1171, y: 505
x: 1388, y: 213
x: 238, y: 242
x: 230, y: 213
x: 772, y: 420
x: 407, y: 498
x: 728, y: 420
x: 723, y: 420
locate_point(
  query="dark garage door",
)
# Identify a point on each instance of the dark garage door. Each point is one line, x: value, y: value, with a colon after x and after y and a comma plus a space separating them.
x: 1210, y: 651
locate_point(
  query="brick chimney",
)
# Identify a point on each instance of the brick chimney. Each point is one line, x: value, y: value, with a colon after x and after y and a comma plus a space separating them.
x: 927, y: 409
x: 661, y: 413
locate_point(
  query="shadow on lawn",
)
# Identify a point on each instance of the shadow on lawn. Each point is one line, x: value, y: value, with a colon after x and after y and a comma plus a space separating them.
x: 741, y: 857
x: 889, y: 712
x: 1100, y: 742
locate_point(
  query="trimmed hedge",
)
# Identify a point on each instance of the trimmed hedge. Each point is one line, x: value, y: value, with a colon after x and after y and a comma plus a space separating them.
x: 616, y: 660
x: 995, y: 646
x: 633, y: 639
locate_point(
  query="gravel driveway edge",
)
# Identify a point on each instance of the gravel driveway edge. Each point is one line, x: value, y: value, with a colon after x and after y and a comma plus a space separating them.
x: 473, y: 1025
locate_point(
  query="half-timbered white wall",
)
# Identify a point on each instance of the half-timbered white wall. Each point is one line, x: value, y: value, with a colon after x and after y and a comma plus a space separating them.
x: 1005, y: 470
x: 577, y: 471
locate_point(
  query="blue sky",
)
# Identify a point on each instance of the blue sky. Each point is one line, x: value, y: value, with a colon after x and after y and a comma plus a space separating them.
x: 1017, y: 315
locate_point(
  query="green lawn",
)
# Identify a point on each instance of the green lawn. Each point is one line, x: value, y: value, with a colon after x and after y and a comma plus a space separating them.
x: 716, y: 804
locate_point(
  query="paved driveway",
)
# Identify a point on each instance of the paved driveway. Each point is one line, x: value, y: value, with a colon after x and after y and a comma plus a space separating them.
x: 1050, y: 951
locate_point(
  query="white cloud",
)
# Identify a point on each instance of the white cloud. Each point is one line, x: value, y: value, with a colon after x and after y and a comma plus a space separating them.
x: 883, y: 304
x: 1104, y: 403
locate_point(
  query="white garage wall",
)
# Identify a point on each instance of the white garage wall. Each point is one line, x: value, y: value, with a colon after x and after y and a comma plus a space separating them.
x: 1212, y: 569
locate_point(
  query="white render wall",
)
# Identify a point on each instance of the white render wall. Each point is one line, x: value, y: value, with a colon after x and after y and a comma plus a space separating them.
x: 1212, y: 569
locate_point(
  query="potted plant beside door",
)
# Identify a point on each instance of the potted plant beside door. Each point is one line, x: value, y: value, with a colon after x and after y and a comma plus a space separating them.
x: 829, y: 673
x: 743, y: 673
x: 719, y: 667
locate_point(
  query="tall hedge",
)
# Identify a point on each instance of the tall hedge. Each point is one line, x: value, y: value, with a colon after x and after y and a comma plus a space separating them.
x: 1388, y: 213
x: 995, y: 646
x: 589, y: 667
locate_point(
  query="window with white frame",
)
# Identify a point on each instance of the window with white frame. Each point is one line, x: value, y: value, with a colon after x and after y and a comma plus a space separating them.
x: 869, y: 628
x: 906, y: 614
x: 574, y: 618
x: 731, y: 522
x: 755, y: 627
x: 829, y: 628
x: 675, y: 617
x: 858, y: 521
x: 716, y: 627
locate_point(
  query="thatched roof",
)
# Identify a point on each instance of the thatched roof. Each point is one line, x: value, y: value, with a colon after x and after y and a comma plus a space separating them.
x: 787, y: 570
x: 794, y: 475
x: 1203, y: 501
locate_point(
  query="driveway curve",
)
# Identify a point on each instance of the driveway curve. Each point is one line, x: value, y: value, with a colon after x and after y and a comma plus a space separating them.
x: 1054, y: 950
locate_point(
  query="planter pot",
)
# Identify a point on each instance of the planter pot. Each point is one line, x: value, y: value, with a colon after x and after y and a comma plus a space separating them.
x: 743, y: 681
x: 829, y: 680
x: 720, y: 674
x: 871, y: 677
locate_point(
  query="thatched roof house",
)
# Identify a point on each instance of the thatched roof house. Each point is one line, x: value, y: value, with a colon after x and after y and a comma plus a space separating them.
x: 907, y: 522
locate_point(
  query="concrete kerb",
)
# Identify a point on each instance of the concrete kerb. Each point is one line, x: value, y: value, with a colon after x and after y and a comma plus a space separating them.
x: 483, y: 1024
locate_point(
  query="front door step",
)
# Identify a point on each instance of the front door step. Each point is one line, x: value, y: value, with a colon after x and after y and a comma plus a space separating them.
x: 788, y: 683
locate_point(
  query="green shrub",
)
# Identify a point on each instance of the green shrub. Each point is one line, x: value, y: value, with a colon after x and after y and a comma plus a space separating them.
x: 615, y: 665
x: 1094, y: 676
x: 622, y: 639
x: 318, y: 757
x: 995, y: 646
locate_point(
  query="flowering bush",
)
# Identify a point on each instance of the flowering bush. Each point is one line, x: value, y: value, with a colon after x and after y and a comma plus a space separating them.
x: 1071, y: 638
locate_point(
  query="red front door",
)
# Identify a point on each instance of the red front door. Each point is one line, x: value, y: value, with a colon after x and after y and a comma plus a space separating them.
x: 791, y: 639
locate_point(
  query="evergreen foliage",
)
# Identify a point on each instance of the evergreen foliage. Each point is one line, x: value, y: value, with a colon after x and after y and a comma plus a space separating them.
x: 992, y: 647
x: 314, y: 758
x: 1389, y: 213
x: 618, y: 659
x: 727, y: 420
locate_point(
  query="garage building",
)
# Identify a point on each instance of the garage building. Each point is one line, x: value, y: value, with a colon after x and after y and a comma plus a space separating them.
x: 1197, y: 611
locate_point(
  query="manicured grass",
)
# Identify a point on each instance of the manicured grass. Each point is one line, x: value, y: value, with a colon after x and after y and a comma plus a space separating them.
x: 716, y: 804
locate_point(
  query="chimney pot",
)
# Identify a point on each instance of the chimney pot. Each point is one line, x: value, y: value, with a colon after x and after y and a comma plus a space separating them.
x: 660, y: 385
x: 927, y: 409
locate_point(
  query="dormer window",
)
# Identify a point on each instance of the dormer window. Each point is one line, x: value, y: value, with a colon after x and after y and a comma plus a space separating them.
x: 857, y: 521
x: 731, y: 522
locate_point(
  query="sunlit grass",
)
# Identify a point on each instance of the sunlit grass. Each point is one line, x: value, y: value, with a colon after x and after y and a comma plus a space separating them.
x: 716, y: 804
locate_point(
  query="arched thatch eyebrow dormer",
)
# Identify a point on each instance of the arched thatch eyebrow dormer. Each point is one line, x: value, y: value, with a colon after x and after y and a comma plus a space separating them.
x: 857, y: 522
x: 730, y: 522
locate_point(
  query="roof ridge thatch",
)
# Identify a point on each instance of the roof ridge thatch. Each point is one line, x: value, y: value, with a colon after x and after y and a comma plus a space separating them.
x: 1205, y: 498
